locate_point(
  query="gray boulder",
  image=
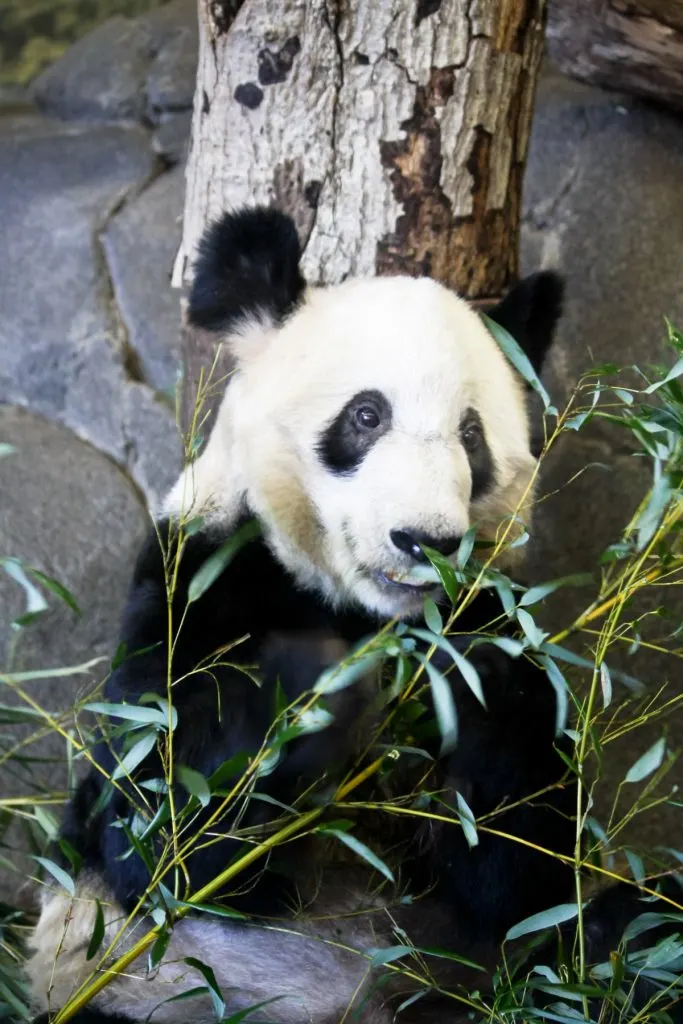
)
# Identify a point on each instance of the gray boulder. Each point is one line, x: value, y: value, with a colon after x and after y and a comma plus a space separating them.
x: 68, y: 511
x: 126, y: 69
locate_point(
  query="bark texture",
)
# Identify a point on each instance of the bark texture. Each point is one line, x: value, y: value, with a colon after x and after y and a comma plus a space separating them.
x: 632, y: 45
x: 395, y: 132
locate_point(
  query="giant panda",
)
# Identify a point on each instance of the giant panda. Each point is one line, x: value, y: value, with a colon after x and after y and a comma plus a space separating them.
x: 364, y: 425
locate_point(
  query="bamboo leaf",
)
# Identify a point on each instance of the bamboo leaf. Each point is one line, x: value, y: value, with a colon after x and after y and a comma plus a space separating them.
x: 57, y: 873
x: 360, y: 848
x: 50, y: 673
x: 210, y: 978
x: 650, y: 517
x: 194, y: 782
x: 137, y: 753
x: 546, y: 919
x: 338, y: 677
x: 466, y: 547
x: 132, y: 712
x: 444, y: 707
x: 379, y: 957
x: 432, y: 616
x: 532, y: 632
x: 648, y: 763
x: 465, y: 667
x: 519, y: 360
x: 606, y: 685
x: 216, y: 563
x: 97, y: 933
x: 56, y: 588
x: 467, y: 820
x: 535, y: 594
x: 35, y: 602
x: 559, y: 685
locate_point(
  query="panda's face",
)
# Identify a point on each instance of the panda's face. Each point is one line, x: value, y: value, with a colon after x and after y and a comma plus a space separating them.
x: 381, y: 416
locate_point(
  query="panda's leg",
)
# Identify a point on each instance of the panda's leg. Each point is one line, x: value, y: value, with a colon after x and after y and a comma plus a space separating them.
x: 297, y: 975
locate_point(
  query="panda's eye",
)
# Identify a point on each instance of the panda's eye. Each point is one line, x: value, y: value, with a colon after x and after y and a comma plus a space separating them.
x: 471, y: 435
x: 367, y: 418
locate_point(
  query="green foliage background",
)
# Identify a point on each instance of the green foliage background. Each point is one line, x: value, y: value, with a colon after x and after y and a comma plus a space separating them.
x: 33, y: 33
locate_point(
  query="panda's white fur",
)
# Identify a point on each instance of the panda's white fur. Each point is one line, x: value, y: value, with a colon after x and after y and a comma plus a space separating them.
x: 432, y: 357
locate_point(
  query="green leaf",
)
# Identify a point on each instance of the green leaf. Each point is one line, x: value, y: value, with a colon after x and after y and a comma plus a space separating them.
x: 97, y: 933
x: 445, y: 572
x: 158, y: 950
x: 467, y: 820
x: 215, y: 909
x: 58, y: 873
x: 606, y: 685
x: 546, y: 919
x: 194, y: 782
x: 137, y: 753
x: 242, y: 1015
x: 133, y: 712
x: 360, y: 848
x: 194, y: 526
x: 230, y: 769
x: 648, y: 763
x: 353, y: 668
x: 216, y: 563
x: 517, y: 357
x: 650, y: 517
x: 432, y: 616
x: 534, y: 635
x: 675, y: 371
x: 379, y: 957
x: 210, y: 978
x: 56, y: 588
x: 35, y: 602
x: 444, y: 706
x: 535, y: 594
x: 559, y: 685
x: 636, y: 865
x: 466, y: 669
x: 466, y: 547
x: 50, y: 673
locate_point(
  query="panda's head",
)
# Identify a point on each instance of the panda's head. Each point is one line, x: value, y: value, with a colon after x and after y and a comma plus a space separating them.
x: 362, y: 420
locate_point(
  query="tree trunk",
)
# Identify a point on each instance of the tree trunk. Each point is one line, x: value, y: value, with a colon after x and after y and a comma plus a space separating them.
x: 632, y: 45
x: 393, y: 131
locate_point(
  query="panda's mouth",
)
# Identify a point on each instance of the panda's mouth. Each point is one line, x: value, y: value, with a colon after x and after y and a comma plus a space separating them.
x: 403, y: 581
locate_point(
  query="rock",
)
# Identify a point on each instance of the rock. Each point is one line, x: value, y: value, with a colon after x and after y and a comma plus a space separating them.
x: 603, y: 203
x: 101, y: 76
x: 67, y: 510
x: 172, y: 76
x: 63, y: 351
x: 126, y: 69
x: 155, y: 451
x: 141, y: 242
x: 171, y: 140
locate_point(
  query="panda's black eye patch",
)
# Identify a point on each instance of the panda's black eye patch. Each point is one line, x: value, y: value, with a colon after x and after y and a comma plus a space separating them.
x: 479, y: 457
x: 346, y: 441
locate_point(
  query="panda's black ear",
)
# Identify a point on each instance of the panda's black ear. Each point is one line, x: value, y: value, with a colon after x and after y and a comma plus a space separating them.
x: 247, y: 266
x: 530, y: 311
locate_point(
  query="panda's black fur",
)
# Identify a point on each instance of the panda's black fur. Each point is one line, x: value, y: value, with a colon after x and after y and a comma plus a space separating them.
x: 248, y: 266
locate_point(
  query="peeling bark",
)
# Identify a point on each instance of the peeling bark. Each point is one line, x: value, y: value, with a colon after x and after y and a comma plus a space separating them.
x: 635, y: 46
x: 394, y: 133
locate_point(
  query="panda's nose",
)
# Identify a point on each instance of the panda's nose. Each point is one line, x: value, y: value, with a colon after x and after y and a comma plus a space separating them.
x: 409, y: 541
